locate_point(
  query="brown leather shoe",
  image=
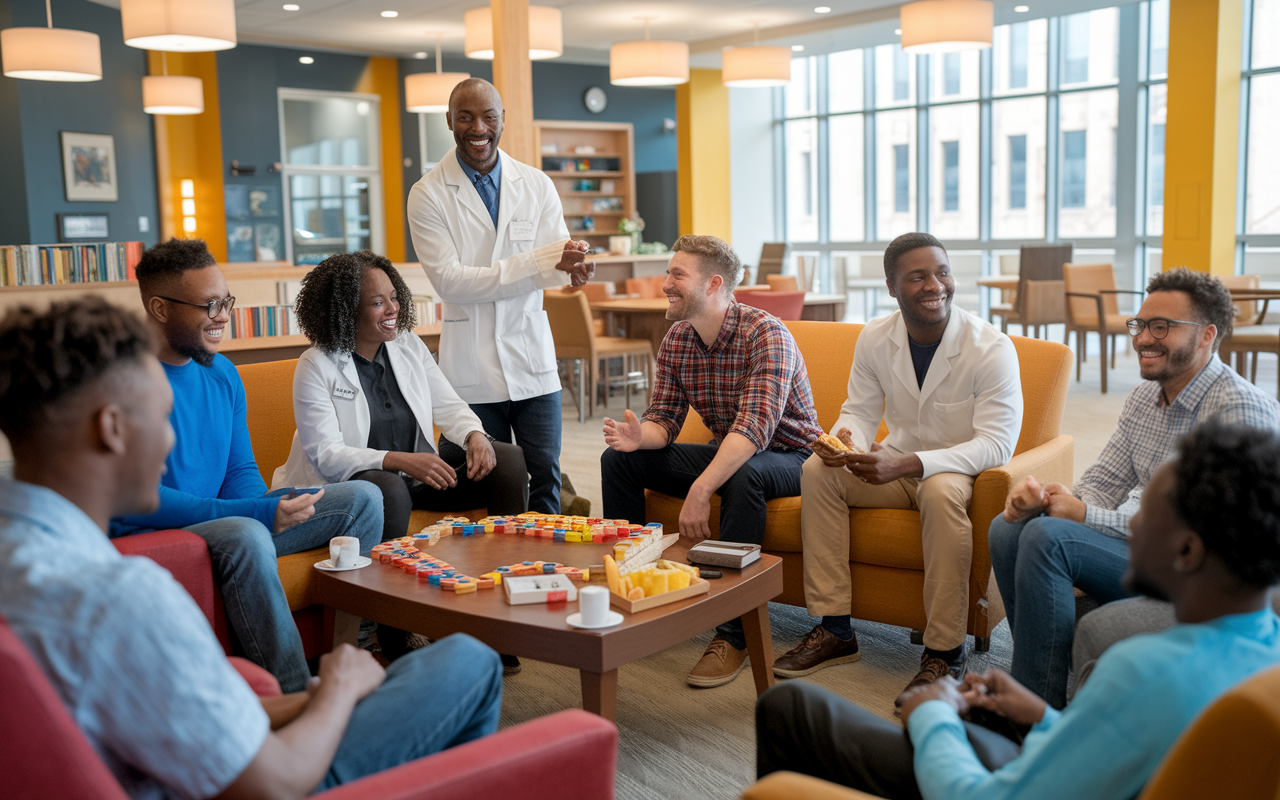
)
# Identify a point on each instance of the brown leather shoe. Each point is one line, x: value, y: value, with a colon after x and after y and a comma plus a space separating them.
x: 932, y: 668
x: 719, y: 665
x: 820, y: 649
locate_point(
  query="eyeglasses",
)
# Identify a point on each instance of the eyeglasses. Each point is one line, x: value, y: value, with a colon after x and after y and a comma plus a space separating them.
x: 1159, y: 326
x: 214, y: 307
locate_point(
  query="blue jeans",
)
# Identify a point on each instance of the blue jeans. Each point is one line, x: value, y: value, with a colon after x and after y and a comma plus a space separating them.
x: 1037, y: 562
x: 536, y: 423
x: 461, y: 703
x: 244, y: 556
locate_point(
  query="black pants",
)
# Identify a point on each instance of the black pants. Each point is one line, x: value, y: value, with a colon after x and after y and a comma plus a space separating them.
x: 504, y: 491
x: 673, y: 469
x: 804, y: 728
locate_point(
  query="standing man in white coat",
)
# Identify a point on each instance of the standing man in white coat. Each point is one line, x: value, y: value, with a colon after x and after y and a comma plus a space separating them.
x: 948, y: 386
x: 490, y: 234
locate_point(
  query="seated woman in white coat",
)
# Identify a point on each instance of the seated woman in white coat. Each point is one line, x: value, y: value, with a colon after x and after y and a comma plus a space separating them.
x: 366, y: 395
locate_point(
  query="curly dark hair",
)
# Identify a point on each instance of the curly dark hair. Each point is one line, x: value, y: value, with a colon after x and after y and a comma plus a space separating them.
x: 1227, y: 490
x: 905, y: 244
x: 47, y: 357
x: 170, y: 259
x: 328, y: 303
x: 1210, y: 297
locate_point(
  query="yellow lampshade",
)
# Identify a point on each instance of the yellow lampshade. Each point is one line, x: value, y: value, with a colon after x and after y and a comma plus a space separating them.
x: 179, y: 26
x: 51, y: 54
x: 649, y: 62
x: 946, y: 26
x: 546, y: 33
x: 756, y: 66
x: 428, y: 92
x: 172, y: 95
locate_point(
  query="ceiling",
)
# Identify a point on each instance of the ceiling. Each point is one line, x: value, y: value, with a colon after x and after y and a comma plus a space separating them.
x: 591, y: 26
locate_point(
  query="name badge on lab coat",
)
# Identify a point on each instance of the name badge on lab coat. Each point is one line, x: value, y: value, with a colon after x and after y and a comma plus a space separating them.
x: 342, y: 393
x: 520, y: 231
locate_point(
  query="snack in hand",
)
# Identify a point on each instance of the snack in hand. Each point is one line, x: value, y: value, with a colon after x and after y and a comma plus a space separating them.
x: 833, y: 443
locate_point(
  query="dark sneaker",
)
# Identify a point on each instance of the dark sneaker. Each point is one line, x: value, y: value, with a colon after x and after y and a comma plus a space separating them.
x: 820, y: 649
x: 719, y: 665
x: 932, y: 668
x: 510, y: 665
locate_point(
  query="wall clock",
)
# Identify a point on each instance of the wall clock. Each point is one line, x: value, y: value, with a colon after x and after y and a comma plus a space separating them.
x: 595, y: 99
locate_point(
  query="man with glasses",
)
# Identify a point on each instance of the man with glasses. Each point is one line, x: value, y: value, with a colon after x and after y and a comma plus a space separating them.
x: 212, y: 486
x: 1052, y: 538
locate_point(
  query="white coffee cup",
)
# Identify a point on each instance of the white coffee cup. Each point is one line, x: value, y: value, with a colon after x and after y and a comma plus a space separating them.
x: 343, y: 551
x: 593, y: 605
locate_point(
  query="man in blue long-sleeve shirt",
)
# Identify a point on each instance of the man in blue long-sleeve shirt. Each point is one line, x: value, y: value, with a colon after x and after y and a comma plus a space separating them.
x: 1206, y: 537
x: 212, y: 486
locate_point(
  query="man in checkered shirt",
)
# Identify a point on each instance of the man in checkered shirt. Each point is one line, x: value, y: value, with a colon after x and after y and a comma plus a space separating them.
x: 1052, y: 538
x: 739, y: 368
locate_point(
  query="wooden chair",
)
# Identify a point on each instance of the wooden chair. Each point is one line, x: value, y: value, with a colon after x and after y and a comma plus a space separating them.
x: 1250, y: 335
x: 783, y: 283
x: 597, y: 292
x: 1034, y: 307
x: 772, y: 256
x: 576, y: 340
x: 646, y: 288
x: 1091, y: 308
x: 783, y: 305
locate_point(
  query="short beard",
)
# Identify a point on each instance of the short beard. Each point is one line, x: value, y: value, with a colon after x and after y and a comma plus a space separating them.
x: 194, y: 352
x: 1178, y: 361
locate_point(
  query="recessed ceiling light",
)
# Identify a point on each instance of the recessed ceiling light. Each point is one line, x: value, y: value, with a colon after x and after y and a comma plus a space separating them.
x: 1022, y: 9
x: 798, y: 48
x: 822, y: 10
x: 390, y: 14
x: 291, y: 7
x: 420, y: 55
x: 306, y: 60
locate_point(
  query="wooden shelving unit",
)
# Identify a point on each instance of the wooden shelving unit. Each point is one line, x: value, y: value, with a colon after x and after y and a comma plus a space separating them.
x: 608, y: 141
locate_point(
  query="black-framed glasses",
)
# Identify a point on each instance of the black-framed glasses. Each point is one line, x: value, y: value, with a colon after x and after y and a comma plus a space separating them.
x: 1159, y: 326
x: 214, y: 307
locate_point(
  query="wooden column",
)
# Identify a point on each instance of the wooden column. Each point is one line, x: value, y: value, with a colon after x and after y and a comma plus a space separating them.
x: 513, y: 75
x: 1202, y: 135
x: 702, y: 160
x: 382, y: 77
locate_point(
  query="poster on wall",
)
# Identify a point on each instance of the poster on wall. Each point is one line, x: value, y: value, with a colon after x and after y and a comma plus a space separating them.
x: 240, y: 247
x: 89, y: 167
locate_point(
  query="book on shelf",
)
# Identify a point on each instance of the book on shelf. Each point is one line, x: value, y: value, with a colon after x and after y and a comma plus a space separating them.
x: 425, y: 305
x: 287, y: 292
x: 248, y: 322
x: 56, y: 264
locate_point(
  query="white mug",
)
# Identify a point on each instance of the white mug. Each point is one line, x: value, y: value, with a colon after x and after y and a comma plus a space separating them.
x: 343, y: 551
x: 593, y: 605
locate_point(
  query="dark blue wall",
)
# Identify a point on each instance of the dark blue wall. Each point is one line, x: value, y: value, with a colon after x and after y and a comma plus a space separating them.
x: 45, y: 108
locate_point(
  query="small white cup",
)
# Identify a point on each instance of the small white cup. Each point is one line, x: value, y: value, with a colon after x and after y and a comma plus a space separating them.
x: 593, y: 605
x: 343, y: 551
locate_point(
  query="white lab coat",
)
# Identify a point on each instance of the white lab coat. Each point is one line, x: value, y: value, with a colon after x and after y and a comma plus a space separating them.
x: 965, y: 418
x: 332, y: 412
x: 495, y: 341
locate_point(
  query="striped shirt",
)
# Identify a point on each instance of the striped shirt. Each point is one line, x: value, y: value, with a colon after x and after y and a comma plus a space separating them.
x: 751, y: 381
x: 1148, y: 432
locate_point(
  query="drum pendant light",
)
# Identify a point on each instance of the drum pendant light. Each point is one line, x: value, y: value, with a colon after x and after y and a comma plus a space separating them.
x: 179, y: 26
x: 757, y: 65
x: 648, y: 62
x: 946, y: 26
x: 428, y: 92
x: 50, y: 54
x: 172, y: 95
x: 546, y: 33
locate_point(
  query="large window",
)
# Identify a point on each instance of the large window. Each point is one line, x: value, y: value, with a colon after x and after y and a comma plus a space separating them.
x: 1262, y: 83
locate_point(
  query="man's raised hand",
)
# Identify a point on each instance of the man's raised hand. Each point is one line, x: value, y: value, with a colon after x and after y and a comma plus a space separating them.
x: 623, y: 436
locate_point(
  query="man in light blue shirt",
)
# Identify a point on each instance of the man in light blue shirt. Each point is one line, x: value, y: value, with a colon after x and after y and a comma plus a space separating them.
x: 1206, y: 537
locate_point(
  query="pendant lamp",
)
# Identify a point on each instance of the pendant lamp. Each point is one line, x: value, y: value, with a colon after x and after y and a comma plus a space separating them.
x: 50, y: 54
x: 172, y: 95
x: 546, y: 33
x: 648, y: 62
x: 946, y: 26
x: 757, y: 65
x: 428, y: 92
x: 179, y: 26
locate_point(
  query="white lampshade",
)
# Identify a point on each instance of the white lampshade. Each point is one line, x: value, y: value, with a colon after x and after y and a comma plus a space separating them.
x: 946, y: 26
x: 649, y: 62
x: 427, y: 92
x: 756, y: 66
x: 51, y: 54
x: 546, y: 33
x: 179, y: 26
x: 172, y: 94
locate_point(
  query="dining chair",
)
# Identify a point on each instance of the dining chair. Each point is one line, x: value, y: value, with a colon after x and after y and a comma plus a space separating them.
x: 1034, y: 307
x: 575, y: 340
x: 783, y: 283
x: 783, y: 305
x: 1250, y: 336
x: 649, y: 288
x: 772, y: 256
x: 597, y: 292
x: 1091, y: 308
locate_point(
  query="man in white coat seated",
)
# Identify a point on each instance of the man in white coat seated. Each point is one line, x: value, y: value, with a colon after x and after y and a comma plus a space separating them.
x: 490, y: 234
x: 948, y: 386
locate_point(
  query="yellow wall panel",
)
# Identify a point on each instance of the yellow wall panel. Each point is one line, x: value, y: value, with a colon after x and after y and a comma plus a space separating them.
x: 382, y: 77
x: 702, y: 160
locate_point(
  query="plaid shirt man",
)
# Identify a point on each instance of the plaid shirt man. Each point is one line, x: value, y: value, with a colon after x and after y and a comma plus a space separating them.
x: 751, y: 381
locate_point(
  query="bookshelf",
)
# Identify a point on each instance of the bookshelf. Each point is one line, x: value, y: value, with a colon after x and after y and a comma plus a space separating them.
x: 597, y: 188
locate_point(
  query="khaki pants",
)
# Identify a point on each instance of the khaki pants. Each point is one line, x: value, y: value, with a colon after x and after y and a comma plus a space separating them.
x: 827, y: 494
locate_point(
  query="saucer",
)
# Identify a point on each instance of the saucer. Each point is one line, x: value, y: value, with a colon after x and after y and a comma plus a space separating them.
x: 575, y: 620
x: 327, y: 564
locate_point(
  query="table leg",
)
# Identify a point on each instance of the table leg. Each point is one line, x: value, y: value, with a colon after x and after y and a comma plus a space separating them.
x: 600, y: 693
x: 755, y: 624
x: 344, y: 627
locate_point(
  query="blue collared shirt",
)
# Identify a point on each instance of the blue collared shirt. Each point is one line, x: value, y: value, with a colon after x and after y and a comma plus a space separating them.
x: 495, y: 175
x: 127, y: 649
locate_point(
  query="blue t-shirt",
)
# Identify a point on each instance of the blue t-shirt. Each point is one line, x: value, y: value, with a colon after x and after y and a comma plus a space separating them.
x: 211, y: 470
x: 1107, y: 744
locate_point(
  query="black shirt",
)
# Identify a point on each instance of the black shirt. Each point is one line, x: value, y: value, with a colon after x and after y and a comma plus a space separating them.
x: 392, y: 426
x: 921, y: 358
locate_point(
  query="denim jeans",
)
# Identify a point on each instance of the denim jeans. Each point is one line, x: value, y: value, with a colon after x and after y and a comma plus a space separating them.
x: 536, y: 423
x: 461, y: 702
x: 244, y: 556
x: 1037, y: 562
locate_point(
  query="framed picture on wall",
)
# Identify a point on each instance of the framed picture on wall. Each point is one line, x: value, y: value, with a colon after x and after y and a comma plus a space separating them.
x: 89, y: 167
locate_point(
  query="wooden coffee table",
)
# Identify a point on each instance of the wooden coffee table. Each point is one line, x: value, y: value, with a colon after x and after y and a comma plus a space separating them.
x: 390, y: 596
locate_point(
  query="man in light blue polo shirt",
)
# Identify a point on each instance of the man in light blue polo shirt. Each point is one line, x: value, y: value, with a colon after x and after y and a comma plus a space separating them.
x: 1206, y: 537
